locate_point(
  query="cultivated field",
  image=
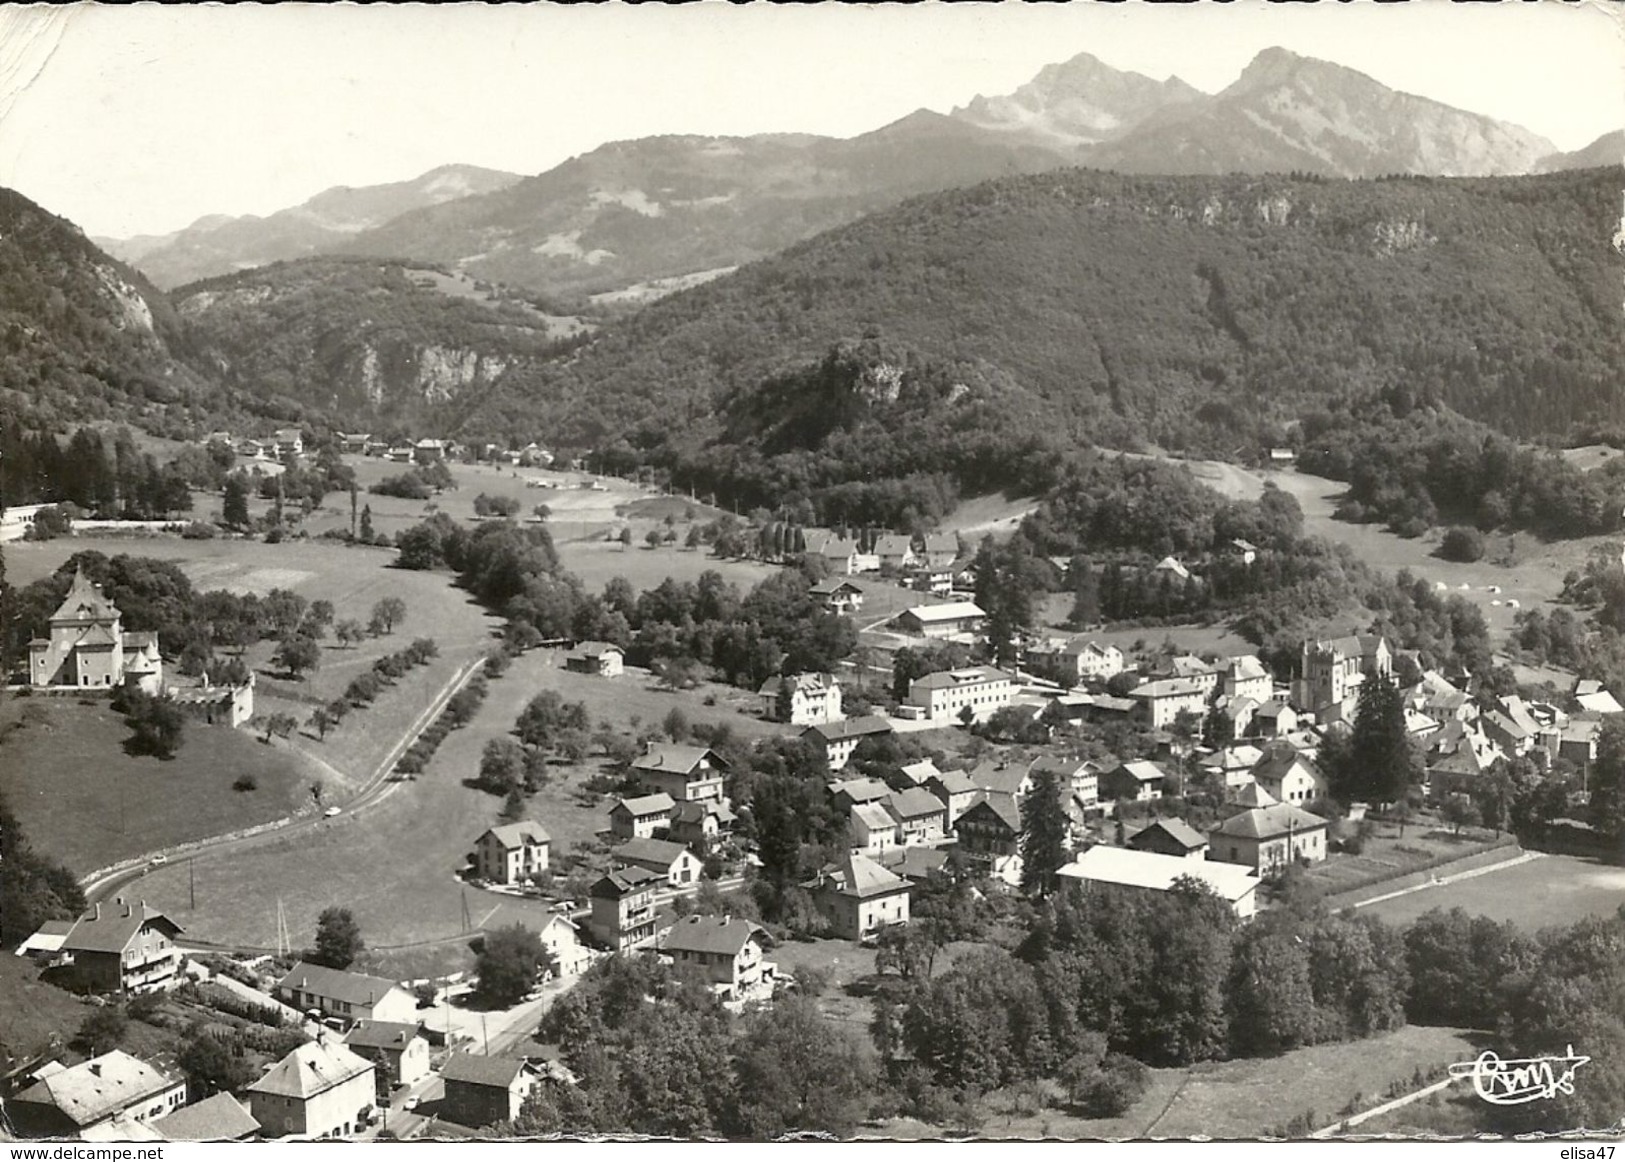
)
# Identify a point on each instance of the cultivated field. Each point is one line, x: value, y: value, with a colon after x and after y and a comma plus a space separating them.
x: 395, y: 862
x: 1551, y: 890
x: 81, y: 799
x: 1388, y: 854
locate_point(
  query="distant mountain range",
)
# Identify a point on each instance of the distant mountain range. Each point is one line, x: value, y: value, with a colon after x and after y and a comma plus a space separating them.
x: 632, y: 213
x: 219, y: 244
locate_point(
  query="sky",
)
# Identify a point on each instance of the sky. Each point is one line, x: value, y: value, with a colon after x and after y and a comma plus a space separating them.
x: 143, y: 118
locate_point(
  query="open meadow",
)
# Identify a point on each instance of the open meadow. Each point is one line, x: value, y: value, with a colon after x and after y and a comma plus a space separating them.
x: 1550, y: 890
x: 81, y: 799
x: 395, y: 861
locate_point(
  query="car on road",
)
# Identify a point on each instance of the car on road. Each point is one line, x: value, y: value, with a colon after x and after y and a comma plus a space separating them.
x: 330, y: 812
x: 158, y: 859
x: 411, y: 1103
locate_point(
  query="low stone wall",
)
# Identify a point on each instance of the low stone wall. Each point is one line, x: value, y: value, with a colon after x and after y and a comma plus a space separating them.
x: 1501, y: 852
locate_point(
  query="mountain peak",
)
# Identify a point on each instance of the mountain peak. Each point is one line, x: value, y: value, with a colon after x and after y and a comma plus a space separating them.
x: 1077, y: 102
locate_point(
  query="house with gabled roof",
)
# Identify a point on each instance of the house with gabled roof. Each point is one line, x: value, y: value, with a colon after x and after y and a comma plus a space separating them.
x: 921, y: 817
x: 1164, y: 700
x: 1289, y: 775
x: 604, y: 659
x: 837, y: 595
x: 728, y: 951
x: 950, y: 619
x: 1595, y: 698
x: 895, y: 552
x: 1139, y: 781
x: 1268, y: 838
x: 482, y: 1091
x: 513, y: 852
x: 398, y: 1049
x: 1073, y: 659
x: 74, y: 1102
x: 989, y: 832
x: 561, y: 941
x: 673, y: 862
x: 940, y: 551
x: 846, y: 794
x: 956, y: 790
x: 1170, y: 837
x: 350, y: 996
x: 623, y: 908
x: 701, y: 823
x: 319, y: 1090
x: 872, y: 829
x: 859, y: 897
x: 1275, y: 719
x: 801, y: 699
x: 837, y: 740
x: 1249, y: 795
x: 919, y: 773
x: 641, y: 816
x: 683, y: 772
x: 1079, y: 778
x: 1244, y: 676
x: 123, y: 947
x: 217, y: 1118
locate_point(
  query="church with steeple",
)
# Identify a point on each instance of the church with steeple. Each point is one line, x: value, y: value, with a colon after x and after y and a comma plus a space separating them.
x: 89, y: 648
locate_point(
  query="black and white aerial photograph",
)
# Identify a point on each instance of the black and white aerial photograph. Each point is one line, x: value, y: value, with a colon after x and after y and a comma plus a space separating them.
x: 853, y: 573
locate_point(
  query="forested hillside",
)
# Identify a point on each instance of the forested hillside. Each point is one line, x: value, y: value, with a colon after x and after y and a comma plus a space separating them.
x: 82, y: 336
x: 1202, y: 314
x: 361, y: 339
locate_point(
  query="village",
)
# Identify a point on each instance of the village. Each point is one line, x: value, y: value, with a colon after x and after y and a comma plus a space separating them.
x: 1223, y: 789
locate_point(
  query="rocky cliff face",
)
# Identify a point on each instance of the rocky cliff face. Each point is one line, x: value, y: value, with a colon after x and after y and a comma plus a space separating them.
x: 363, y: 339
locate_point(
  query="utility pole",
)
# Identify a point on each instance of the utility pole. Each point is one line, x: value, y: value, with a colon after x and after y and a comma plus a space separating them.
x: 191, y: 884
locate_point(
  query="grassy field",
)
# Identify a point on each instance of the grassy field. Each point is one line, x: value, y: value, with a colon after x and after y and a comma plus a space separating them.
x: 1247, y: 1098
x: 395, y: 862
x: 1551, y: 890
x: 82, y: 799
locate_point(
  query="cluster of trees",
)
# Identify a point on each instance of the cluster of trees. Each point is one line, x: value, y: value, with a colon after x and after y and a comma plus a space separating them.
x: 517, y: 767
x: 157, y: 725
x: 34, y: 886
x: 1542, y: 994
x: 656, y: 1053
x: 419, y: 483
x: 1412, y: 463
x: 776, y: 628
x: 504, y: 506
x: 1104, y: 982
x: 110, y: 478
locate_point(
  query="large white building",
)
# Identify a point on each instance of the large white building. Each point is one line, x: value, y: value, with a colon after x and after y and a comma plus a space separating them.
x: 1121, y: 868
x: 88, y: 646
x: 802, y: 699
x: 945, y: 695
